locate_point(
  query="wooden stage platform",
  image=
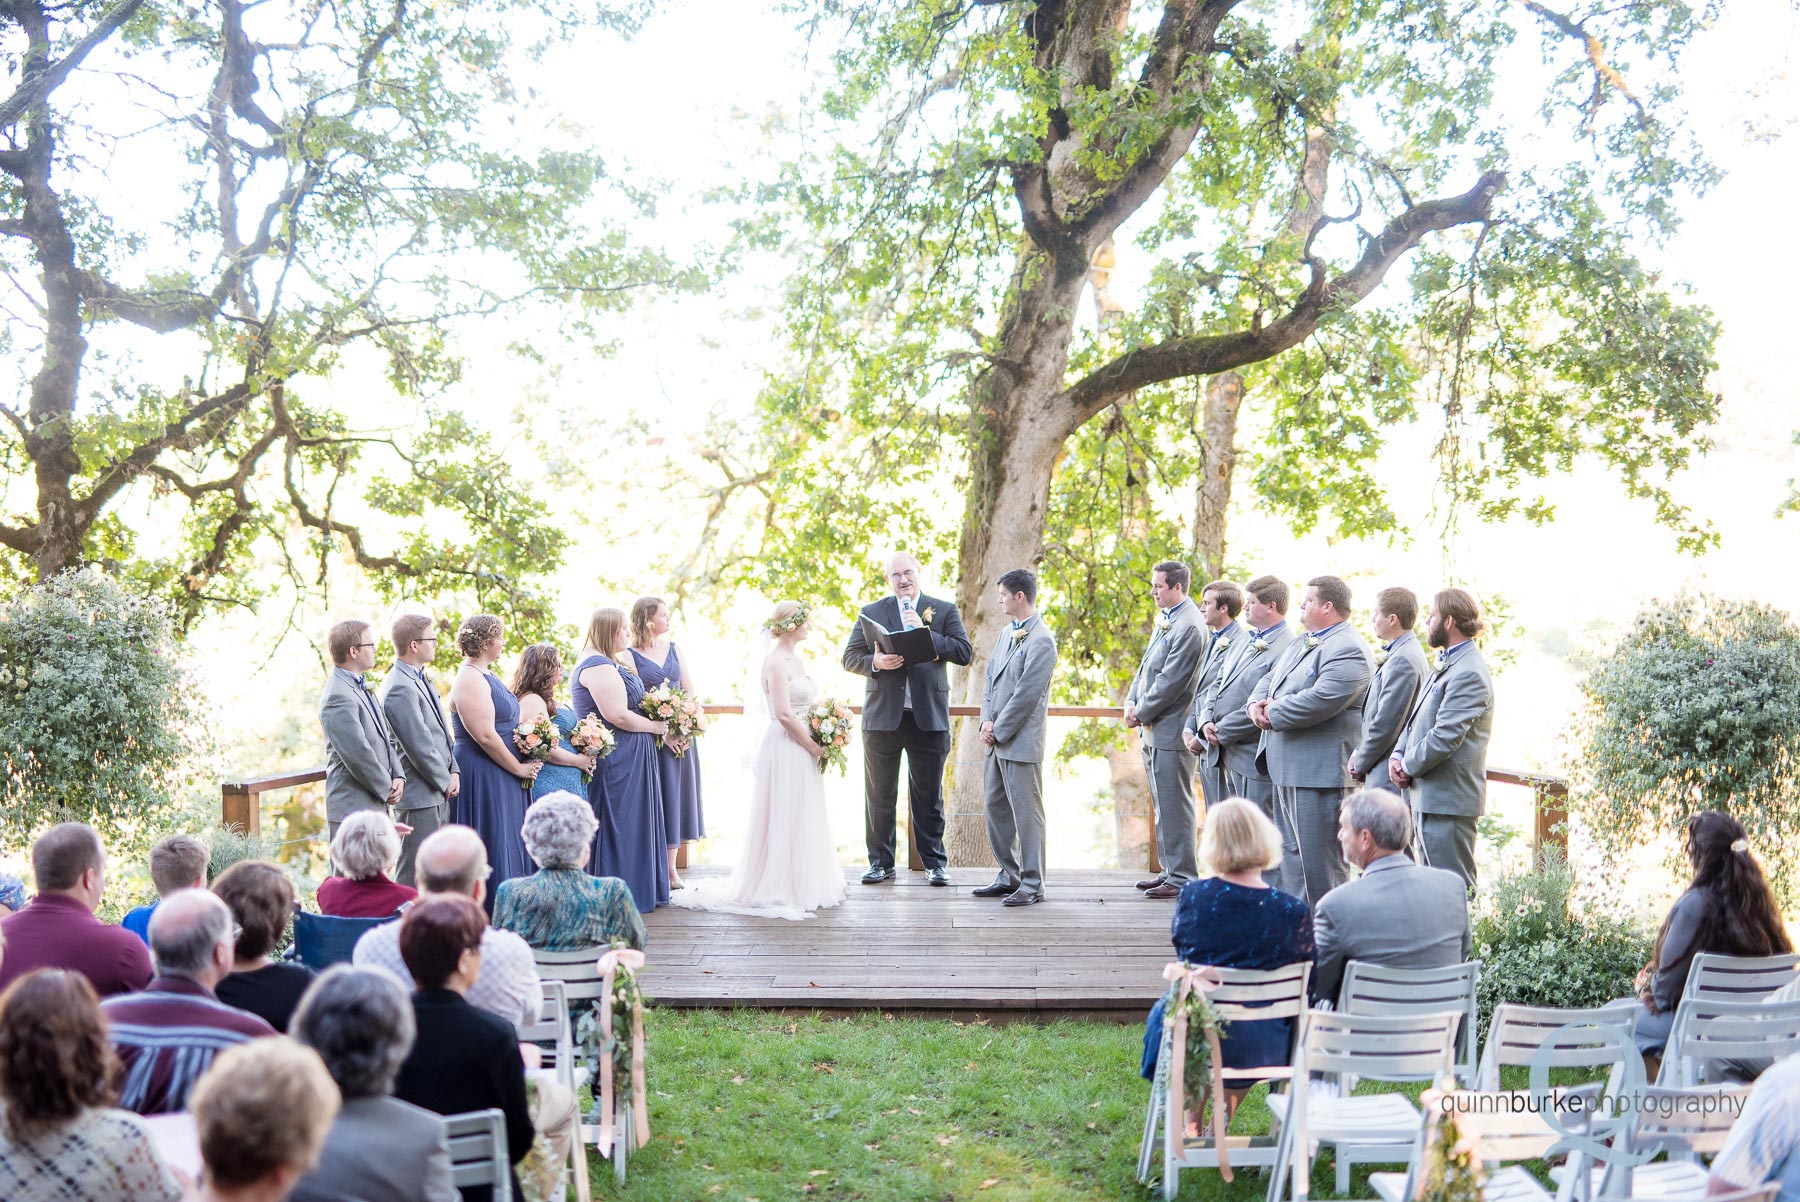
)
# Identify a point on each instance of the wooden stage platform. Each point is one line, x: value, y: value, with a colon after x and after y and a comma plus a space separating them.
x: 1095, y: 946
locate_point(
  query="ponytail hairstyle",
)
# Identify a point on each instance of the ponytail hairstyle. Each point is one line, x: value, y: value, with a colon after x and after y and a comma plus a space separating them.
x: 1739, y: 916
x: 642, y: 611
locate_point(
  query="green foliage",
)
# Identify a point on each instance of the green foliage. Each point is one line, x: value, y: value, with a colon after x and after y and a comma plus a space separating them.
x: 227, y: 847
x: 1538, y: 947
x: 97, y: 717
x: 1696, y: 708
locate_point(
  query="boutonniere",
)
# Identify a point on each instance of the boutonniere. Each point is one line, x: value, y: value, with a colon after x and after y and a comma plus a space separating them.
x: 1018, y: 635
x: 928, y: 615
x: 1442, y: 665
x: 1164, y: 625
x: 1381, y: 655
x: 1261, y: 645
x: 1312, y: 642
x: 1224, y: 641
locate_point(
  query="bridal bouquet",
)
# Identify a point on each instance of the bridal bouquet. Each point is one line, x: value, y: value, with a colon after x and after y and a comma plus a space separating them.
x: 666, y: 703
x: 828, y: 721
x: 535, y: 741
x: 592, y: 737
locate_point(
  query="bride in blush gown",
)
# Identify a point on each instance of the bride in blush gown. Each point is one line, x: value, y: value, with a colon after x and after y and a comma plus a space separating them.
x: 790, y: 864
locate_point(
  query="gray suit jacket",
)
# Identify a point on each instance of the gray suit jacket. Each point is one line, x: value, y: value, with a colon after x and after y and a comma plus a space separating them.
x: 422, y: 734
x: 1397, y: 913
x: 1392, y: 695
x: 885, y: 698
x: 1445, y: 745
x: 1163, y: 688
x: 1221, y: 648
x: 1317, y: 712
x: 381, y: 1150
x: 1244, y: 671
x: 360, y: 760
x: 1018, y: 690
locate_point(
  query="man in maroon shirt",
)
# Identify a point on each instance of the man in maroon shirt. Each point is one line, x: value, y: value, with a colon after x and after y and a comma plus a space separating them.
x: 58, y: 929
x: 168, y: 1035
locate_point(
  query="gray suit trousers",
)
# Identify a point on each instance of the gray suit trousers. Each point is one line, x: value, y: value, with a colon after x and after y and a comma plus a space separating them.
x: 424, y: 821
x: 1214, y: 786
x: 1312, y: 861
x: 1447, y: 841
x: 1015, y: 820
x: 1171, y: 776
x: 1261, y: 790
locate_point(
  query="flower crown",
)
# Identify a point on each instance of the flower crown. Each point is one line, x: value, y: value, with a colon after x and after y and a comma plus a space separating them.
x: 793, y: 621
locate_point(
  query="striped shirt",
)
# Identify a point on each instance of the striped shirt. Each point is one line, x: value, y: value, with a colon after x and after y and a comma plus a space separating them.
x: 1764, y: 1144
x: 167, y: 1037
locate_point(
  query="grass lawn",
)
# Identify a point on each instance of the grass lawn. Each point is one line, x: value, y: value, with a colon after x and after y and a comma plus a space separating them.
x: 755, y: 1105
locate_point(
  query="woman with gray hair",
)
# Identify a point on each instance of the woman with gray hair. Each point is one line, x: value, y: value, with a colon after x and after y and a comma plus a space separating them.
x: 560, y: 908
x: 380, y: 1149
x: 365, y: 850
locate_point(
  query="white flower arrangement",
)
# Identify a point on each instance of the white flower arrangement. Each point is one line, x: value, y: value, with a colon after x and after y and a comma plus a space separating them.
x: 928, y: 614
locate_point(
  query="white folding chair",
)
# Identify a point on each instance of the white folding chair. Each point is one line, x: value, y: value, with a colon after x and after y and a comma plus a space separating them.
x: 1706, y: 1032
x: 1368, y: 1128
x: 478, y: 1154
x: 581, y: 982
x: 1378, y: 989
x: 1518, y: 1036
x: 1719, y: 978
x: 553, y: 1033
x: 1683, y: 1124
x: 1503, y: 1136
x: 1244, y: 995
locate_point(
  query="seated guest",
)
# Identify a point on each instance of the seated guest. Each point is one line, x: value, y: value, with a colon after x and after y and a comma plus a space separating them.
x: 168, y: 1035
x: 261, y: 899
x: 12, y: 894
x: 261, y: 1113
x: 360, y: 1022
x: 1234, y: 919
x: 463, y: 1058
x: 60, y: 1139
x: 1397, y: 913
x: 560, y: 908
x: 1728, y: 908
x: 176, y: 862
x: 1764, y: 1144
x: 365, y: 849
x: 58, y: 929
x: 453, y: 862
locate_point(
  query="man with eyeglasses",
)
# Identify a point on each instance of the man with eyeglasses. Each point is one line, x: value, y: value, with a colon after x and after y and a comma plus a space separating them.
x: 362, y: 766
x: 906, y: 711
x: 421, y: 735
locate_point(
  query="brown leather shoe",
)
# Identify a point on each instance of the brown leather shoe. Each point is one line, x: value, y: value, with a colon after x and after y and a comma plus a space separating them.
x: 1164, y: 890
x: 1153, y: 882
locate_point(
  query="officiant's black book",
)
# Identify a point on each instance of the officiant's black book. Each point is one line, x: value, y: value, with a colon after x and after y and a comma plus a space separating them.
x: 914, y: 645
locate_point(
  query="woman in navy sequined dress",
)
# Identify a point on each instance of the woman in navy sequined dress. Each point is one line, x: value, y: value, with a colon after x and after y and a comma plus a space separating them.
x: 1233, y: 919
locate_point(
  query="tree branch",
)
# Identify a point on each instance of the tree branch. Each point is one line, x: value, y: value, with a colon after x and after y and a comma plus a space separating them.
x: 178, y: 433
x: 1605, y: 74
x: 1201, y: 355
x: 37, y: 85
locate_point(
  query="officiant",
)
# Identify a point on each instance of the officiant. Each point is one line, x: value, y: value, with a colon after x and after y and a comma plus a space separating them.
x: 906, y: 712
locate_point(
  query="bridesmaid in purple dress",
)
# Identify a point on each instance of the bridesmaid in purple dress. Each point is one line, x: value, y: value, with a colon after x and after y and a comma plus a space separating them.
x: 658, y: 659
x: 626, y: 792
x: 496, y: 784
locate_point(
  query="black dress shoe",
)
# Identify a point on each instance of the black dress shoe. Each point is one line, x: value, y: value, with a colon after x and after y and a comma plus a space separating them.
x: 877, y: 874
x: 1020, y: 897
x: 1153, y: 882
x: 997, y: 889
x: 937, y: 876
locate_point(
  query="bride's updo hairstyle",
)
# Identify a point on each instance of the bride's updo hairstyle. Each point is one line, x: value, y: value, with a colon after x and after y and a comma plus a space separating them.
x: 786, y: 616
x: 476, y: 632
x: 603, y: 633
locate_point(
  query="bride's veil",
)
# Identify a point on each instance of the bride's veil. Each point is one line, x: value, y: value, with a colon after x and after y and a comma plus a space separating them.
x: 757, y: 711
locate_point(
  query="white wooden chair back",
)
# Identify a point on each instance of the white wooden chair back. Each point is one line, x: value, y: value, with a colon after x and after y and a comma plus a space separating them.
x: 478, y: 1154
x: 1707, y: 1031
x: 580, y: 980
x: 553, y: 1033
x: 1378, y: 989
x: 1719, y: 978
x: 1683, y: 1123
x: 1597, y: 1037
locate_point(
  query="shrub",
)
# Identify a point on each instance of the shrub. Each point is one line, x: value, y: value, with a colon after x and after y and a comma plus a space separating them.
x: 1536, y: 948
x: 1697, y: 708
x: 96, y: 714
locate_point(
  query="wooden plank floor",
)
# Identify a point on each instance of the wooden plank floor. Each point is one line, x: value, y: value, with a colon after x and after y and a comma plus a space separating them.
x: 1094, y: 944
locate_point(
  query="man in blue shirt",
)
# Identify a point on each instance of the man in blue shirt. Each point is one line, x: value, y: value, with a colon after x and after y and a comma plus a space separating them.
x: 177, y: 862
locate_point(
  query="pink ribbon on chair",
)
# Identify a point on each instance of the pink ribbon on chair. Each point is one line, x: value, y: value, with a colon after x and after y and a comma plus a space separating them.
x: 608, y: 966
x: 1201, y: 979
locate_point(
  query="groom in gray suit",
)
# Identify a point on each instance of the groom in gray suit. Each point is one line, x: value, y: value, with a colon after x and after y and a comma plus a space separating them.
x: 1441, y: 760
x: 1399, y: 674
x: 1230, y: 738
x: 1309, y: 708
x: 1157, y: 704
x: 1220, y: 603
x: 1013, y: 716
x: 422, y: 736
x: 362, y: 769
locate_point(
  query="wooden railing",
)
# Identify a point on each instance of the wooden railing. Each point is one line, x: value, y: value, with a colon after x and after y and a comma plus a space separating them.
x: 242, y: 800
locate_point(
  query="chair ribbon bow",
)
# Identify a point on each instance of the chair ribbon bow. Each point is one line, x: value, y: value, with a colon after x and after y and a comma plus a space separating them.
x: 1191, y: 979
x: 608, y: 966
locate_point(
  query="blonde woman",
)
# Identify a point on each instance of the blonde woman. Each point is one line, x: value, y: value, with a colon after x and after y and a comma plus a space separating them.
x: 790, y: 865
x: 496, y: 782
x: 657, y: 660
x: 626, y: 791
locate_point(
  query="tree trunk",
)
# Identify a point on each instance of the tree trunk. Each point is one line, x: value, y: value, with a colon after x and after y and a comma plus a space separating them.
x: 1218, y: 454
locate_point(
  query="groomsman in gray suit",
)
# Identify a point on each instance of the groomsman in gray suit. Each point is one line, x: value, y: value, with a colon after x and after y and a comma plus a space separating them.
x: 1013, y: 716
x: 422, y: 735
x: 362, y: 768
x: 1441, y: 760
x: 1220, y: 603
x: 1223, y: 721
x: 1157, y: 705
x: 1309, y: 708
x: 1399, y: 673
